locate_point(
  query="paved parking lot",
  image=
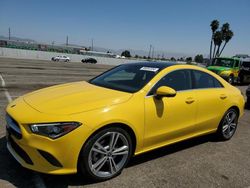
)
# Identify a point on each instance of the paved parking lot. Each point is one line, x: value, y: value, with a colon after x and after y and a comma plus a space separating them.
x: 200, y: 162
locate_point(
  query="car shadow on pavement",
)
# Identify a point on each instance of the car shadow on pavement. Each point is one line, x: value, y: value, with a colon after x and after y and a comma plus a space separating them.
x: 173, y: 148
x: 78, y: 180
x: 11, y: 172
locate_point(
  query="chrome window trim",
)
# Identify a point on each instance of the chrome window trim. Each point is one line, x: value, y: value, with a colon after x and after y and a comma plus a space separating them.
x: 186, y: 89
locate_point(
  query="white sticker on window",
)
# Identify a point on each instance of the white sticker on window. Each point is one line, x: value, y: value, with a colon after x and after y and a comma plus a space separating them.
x: 152, y: 69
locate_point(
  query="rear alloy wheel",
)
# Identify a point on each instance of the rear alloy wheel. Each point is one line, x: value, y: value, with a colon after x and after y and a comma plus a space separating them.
x: 106, y: 154
x: 228, y: 124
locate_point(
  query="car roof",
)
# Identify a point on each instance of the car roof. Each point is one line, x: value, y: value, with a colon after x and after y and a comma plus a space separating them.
x: 160, y: 65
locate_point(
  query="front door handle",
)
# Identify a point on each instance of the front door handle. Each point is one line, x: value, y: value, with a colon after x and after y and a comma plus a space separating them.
x: 223, y: 96
x: 189, y: 100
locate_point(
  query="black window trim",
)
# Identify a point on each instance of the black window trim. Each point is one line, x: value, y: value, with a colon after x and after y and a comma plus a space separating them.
x: 192, y: 82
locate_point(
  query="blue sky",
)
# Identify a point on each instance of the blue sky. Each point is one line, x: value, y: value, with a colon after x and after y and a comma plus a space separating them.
x: 169, y: 25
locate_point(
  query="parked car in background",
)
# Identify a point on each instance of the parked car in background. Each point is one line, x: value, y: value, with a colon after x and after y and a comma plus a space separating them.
x: 248, y: 97
x: 89, y: 60
x: 61, y: 58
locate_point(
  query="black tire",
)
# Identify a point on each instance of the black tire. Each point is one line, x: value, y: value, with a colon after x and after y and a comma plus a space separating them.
x: 247, y: 105
x: 87, y: 155
x: 231, y: 79
x: 241, y: 79
x: 225, y: 132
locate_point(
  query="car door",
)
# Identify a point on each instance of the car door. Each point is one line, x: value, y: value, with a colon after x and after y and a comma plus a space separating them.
x: 211, y: 101
x: 170, y: 118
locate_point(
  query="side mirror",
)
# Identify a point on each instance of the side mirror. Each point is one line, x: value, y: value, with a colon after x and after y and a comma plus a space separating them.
x: 165, y: 91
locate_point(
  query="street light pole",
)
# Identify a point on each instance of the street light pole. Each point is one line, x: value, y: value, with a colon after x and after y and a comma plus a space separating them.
x: 153, y: 51
x: 92, y: 44
x: 9, y: 33
x: 149, y: 53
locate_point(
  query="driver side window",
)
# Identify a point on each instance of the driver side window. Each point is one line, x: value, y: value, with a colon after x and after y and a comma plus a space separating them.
x: 179, y: 80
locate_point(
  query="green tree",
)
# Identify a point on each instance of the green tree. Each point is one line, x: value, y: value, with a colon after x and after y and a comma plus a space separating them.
x: 126, y: 53
x: 198, y: 58
x: 172, y: 59
x: 189, y: 59
x: 218, y: 37
x: 214, y: 26
x: 228, y: 36
x: 224, y: 30
x: 217, y: 41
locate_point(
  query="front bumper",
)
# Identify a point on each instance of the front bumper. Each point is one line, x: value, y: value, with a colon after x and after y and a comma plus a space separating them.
x: 39, y: 153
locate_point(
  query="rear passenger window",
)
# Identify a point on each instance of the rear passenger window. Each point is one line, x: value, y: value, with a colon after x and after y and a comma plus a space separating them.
x: 204, y: 80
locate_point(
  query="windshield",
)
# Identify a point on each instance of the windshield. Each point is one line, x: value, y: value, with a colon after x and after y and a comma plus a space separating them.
x: 129, y: 78
x: 223, y: 62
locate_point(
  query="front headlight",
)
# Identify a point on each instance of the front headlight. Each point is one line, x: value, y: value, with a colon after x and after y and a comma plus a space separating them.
x: 54, y: 130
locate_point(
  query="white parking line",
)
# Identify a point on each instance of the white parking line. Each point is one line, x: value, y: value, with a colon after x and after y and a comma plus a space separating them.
x: 7, y: 94
x: 38, y: 181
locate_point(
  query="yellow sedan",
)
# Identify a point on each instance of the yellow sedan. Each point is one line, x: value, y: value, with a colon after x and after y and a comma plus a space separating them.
x: 96, y: 126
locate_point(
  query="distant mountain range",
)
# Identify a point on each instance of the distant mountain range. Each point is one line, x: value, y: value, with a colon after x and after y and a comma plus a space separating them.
x: 119, y: 51
x: 18, y: 39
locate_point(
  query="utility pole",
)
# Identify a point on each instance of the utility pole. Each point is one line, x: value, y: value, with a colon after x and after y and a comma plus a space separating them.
x: 9, y: 33
x: 92, y: 44
x: 149, y: 53
x: 153, y: 51
x: 67, y: 40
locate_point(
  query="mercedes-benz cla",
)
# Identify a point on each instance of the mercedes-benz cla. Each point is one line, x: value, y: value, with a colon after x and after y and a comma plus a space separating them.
x: 96, y: 126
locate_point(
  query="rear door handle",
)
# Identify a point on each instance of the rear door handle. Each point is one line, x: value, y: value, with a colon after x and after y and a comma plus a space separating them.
x: 189, y: 100
x: 223, y: 96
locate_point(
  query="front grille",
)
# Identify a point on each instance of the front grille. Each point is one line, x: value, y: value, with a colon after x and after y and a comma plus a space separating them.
x: 20, y: 151
x: 13, y: 127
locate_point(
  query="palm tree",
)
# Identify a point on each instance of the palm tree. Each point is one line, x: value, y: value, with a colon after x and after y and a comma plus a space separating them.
x: 229, y: 35
x: 217, y: 39
x: 224, y: 30
x: 214, y: 26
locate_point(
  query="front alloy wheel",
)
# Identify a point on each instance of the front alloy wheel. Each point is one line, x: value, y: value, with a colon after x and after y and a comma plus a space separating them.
x: 228, y: 124
x: 106, y: 154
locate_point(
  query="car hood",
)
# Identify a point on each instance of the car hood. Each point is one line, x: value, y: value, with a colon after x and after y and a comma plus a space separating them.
x: 218, y: 68
x: 74, y: 98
